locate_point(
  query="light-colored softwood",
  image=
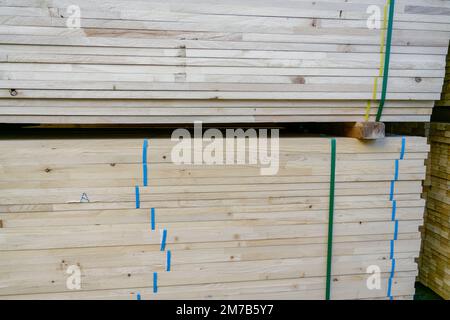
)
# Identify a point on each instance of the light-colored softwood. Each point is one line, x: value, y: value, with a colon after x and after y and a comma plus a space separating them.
x: 234, y: 61
x: 233, y: 233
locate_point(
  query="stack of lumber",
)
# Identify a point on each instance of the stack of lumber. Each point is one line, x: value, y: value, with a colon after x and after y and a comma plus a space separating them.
x: 435, y: 255
x: 229, y: 61
x: 232, y: 233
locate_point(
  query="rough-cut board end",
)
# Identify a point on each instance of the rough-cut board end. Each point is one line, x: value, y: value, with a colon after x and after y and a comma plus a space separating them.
x: 365, y: 130
x: 358, y: 130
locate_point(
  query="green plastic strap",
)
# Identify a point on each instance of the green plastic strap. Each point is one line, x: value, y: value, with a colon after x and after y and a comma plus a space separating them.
x: 387, y: 59
x: 331, y: 217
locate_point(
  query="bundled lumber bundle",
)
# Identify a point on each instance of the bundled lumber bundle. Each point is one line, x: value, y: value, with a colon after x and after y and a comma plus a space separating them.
x: 339, y: 220
x: 435, y: 255
x: 230, y: 61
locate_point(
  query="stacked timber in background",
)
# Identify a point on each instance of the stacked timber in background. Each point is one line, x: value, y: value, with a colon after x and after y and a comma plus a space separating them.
x: 435, y: 251
x: 435, y: 254
x: 234, y: 61
x: 232, y: 232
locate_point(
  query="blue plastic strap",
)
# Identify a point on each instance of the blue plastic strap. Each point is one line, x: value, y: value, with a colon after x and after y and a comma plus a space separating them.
x: 391, y: 193
x: 152, y: 218
x: 392, y: 249
x: 396, y: 230
x: 163, y: 240
x: 144, y: 173
x: 393, y: 268
x: 402, y: 152
x: 169, y: 258
x: 144, y: 151
x: 389, y: 287
x: 144, y: 162
x: 389, y: 292
x: 155, y: 282
x: 396, y: 170
x: 394, y: 209
x: 138, y: 201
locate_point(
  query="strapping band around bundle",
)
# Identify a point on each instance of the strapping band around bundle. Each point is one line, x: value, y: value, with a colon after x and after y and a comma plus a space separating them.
x: 144, y: 162
x: 163, y: 240
x: 155, y: 282
x: 168, y: 260
x: 152, y: 218
x: 387, y: 59
x: 380, y: 70
x: 394, y: 218
x: 331, y: 218
x: 137, y: 197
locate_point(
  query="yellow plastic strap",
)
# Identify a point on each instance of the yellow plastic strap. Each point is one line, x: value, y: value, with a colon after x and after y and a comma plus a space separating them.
x: 381, y: 69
